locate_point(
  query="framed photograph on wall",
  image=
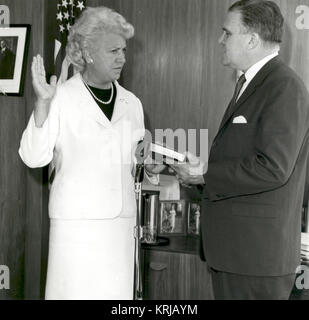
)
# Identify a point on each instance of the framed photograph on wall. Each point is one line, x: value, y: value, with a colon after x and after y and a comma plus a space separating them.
x: 14, y: 44
x: 172, y: 220
x: 194, y: 218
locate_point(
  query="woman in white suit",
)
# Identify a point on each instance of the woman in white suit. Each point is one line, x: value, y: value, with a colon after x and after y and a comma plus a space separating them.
x: 89, y: 127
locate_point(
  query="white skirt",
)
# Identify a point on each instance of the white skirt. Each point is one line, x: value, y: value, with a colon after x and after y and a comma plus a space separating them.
x: 91, y: 259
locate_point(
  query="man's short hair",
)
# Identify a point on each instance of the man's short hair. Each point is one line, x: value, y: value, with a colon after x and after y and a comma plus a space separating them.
x: 262, y: 17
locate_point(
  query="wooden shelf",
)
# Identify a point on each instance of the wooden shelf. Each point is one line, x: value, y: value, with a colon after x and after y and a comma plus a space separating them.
x: 185, y: 245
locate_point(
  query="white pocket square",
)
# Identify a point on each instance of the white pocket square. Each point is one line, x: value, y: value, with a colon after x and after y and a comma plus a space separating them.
x: 240, y: 119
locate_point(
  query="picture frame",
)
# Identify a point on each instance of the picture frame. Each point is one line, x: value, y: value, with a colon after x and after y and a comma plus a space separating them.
x: 14, y: 45
x: 172, y: 218
x: 194, y: 219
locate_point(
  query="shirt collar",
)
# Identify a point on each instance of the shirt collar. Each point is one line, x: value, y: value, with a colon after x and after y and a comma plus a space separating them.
x: 251, y: 72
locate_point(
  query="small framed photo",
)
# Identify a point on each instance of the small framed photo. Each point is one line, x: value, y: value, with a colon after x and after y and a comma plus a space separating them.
x: 14, y: 44
x: 194, y: 218
x: 172, y: 218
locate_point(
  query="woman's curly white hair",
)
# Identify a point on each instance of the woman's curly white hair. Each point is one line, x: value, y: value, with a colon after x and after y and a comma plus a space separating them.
x: 92, y: 23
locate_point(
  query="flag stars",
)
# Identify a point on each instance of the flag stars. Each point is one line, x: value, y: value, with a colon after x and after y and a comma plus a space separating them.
x: 80, y: 5
x: 59, y: 16
x: 64, y: 3
x: 71, y: 3
x: 61, y: 28
x: 66, y: 15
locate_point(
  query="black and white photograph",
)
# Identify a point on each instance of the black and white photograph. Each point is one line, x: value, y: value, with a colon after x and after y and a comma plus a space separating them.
x: 154, y: 150
x: 194, y: 218
x: 8, y: 46
x: 14, y: 42
x: 172, y: 218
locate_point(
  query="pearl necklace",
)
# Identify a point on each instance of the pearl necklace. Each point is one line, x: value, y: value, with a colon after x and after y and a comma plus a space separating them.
x: 96, y: 98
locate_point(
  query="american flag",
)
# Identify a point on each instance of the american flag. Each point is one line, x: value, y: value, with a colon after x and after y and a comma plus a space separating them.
x: 67, y: 12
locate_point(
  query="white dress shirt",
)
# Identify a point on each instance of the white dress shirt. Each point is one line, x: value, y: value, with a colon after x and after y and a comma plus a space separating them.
x: 252, y: 72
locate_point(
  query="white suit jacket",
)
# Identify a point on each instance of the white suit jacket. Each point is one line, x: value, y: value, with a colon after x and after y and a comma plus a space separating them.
x: 93, y: 156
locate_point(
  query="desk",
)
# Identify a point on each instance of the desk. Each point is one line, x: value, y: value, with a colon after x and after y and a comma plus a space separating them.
x: 175, y: 271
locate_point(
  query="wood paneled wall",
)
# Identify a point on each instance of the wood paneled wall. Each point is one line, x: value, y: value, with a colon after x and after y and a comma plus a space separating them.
x: 174, y: 60
x: 21, y: 189
x: 173, y: 66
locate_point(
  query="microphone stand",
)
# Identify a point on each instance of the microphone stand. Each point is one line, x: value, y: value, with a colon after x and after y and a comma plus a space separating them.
x: 138, y: 233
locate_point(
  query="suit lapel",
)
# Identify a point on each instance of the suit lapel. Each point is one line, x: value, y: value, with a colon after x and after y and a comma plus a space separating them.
x: 92, y: 109
x: 88, y: 104
x: 246, y: 94
x: 121, y: 104
x: 253, y: 85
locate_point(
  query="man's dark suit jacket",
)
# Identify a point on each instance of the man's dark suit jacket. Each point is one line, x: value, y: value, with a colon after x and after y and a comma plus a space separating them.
x: 254, y: 187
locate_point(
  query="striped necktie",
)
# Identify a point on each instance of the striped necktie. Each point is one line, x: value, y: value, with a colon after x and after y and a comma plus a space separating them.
x: 238, y: 88
x: 241, y: 81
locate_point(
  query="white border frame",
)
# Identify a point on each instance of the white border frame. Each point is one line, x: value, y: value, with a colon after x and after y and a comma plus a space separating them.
x: 13, y: 86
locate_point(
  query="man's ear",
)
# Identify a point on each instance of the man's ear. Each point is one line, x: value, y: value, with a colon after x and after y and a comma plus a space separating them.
x: 254, y: 41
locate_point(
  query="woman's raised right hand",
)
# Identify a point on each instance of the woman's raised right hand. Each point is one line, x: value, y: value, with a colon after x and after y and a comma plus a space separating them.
x: 44, y: 91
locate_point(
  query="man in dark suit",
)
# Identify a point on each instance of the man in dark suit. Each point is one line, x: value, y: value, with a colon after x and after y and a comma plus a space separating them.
x: 254, y: 187
x: 7, y: 61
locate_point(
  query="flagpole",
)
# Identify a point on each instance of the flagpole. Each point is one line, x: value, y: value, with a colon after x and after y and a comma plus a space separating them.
x: 138, y: 233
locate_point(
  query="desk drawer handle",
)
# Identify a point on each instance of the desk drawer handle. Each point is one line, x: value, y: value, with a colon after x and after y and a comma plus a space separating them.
x: 158, y: 266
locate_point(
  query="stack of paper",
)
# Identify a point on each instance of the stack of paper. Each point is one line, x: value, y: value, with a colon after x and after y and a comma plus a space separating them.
x: 305, y: 246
